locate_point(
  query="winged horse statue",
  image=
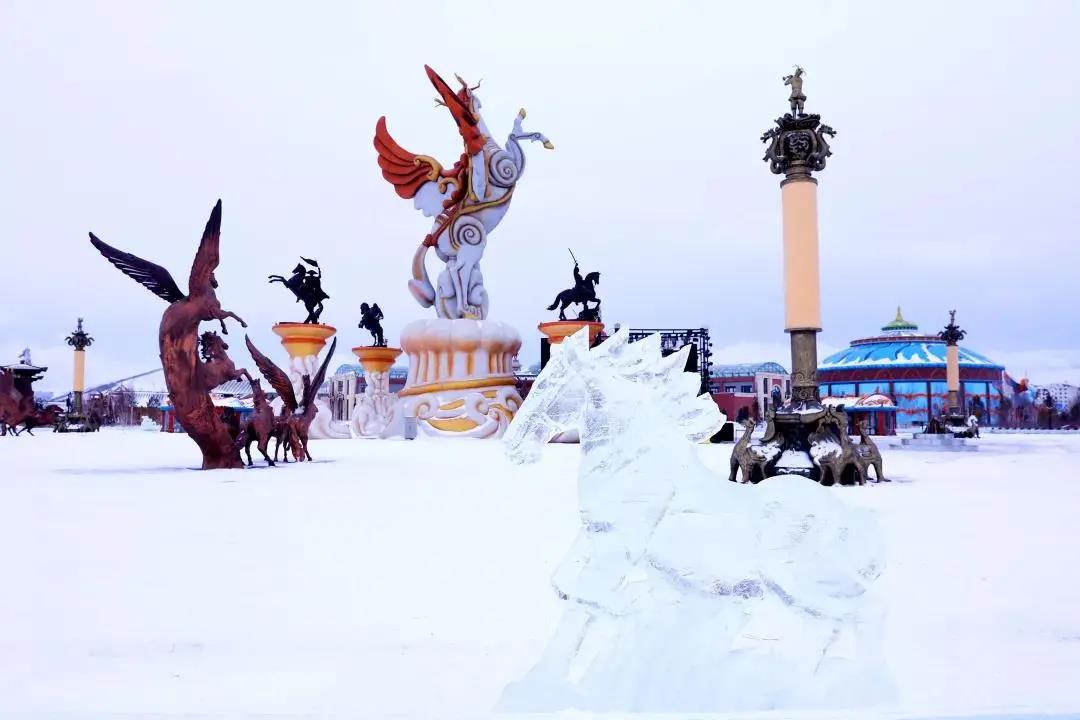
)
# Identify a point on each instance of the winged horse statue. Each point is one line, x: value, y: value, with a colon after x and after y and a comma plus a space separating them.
x: 467, y: 201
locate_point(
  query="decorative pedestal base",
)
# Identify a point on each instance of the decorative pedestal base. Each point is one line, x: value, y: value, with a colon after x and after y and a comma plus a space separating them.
x: 375, y: 411
x: 948, y: 425
x: 304, y: 342
x: 77, y: 423
x: 556, y: 331
x: 78, y: 420
x: 808, y: 441
x: 461, y: 381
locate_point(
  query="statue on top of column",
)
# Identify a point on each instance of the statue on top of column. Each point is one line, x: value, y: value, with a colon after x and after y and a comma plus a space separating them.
x: 583, y: 292
x: 79, y: 339
x: 370, y: 316
x: 797, y: 98
x: 797, y: 146
x: 952, y: 334
x: 306, y: 285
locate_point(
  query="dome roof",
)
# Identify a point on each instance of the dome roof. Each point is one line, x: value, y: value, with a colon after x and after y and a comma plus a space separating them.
x: 900, y: 344
x: 747, y: 369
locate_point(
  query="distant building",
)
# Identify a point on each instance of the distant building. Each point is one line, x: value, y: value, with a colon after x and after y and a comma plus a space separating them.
x: 735, y: 387
x: 25, y: 369
x: 345, y: 387
x: 908, y: 367
x: 1064, y: 395
x: 877, y: 411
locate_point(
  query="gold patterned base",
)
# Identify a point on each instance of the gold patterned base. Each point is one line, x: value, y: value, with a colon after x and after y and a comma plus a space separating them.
x: 477, y: 412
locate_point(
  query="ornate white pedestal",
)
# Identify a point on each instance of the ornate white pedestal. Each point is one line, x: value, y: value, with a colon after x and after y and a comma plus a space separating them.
x: 304, y: 342
x: 375, y: 410
x: 461, y: 381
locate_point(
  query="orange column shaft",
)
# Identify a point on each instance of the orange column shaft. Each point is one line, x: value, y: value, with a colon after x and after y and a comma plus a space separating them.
x: 78, y: 383
x: 952, y: 367
x: 802, y: 277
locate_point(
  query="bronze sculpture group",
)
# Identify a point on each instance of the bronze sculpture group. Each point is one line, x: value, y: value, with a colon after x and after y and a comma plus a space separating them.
x: 195, y: 364
x: 290, y: 427
x: 193, y: 367
x: 17, y: 406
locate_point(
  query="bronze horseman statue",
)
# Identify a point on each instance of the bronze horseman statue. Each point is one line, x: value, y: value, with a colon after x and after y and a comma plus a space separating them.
x: 192, y: 368
x: 370, y: 317
x: 583, y: 293
x: 306, y: 285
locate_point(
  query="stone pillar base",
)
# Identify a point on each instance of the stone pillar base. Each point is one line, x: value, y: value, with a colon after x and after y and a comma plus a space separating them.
x: 812, y: 443
x: 558, y: 330
x: 375, y: 411
x: 304, y: 342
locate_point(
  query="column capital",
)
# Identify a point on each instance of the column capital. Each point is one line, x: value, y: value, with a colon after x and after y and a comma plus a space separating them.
x: 79, y: 339
x: 952, y: 334
x: 797, y: 146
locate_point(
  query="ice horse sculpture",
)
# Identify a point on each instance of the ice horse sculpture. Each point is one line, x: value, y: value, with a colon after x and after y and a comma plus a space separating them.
x: 684, y: 592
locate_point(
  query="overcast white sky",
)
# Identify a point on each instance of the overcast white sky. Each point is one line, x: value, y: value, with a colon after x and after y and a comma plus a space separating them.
x: 952, y: 185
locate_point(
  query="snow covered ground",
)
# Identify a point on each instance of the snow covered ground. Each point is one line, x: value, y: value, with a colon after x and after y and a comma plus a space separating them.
x: 412, y: 579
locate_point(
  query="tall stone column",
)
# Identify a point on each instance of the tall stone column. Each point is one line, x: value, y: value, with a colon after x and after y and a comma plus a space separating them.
x: 798, y: 148
x: 374, y: 411
x: 79, y: 340
x: 803, y: 437
x: 952, y: 335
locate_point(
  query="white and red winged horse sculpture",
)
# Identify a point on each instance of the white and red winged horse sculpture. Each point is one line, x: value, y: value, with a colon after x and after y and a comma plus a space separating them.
x: 467, y: 201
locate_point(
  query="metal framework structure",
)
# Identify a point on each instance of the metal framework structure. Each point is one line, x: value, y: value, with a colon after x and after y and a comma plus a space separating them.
x: 674, y: 339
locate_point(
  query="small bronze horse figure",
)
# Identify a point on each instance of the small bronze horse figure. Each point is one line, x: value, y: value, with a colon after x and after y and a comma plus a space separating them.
x: 258, y: 427
x: 217, y: 368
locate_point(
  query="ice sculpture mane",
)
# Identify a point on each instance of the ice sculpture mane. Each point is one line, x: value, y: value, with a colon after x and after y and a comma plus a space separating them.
x: 686, y: 593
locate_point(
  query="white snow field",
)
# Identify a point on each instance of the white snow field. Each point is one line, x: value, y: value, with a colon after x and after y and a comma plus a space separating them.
x: 413, y: 579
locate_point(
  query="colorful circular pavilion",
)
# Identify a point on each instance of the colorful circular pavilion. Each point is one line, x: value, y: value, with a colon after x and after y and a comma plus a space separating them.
x: 909, y: 367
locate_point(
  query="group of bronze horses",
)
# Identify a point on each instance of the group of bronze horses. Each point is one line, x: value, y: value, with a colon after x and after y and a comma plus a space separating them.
x: 289, y: 427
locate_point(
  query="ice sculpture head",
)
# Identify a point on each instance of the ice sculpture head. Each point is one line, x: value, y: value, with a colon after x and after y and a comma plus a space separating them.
x: 555, y: 404
x: 580, y: 387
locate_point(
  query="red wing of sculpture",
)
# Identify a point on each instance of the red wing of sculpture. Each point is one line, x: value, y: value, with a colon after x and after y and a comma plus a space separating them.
x: 274, y: 375
x: 404, y: 170
x: 317, y: 381
x: 208, y: 256
x: 153, y: 277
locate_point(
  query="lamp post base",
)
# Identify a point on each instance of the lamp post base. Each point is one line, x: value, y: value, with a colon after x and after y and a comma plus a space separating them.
x: 812, y: 443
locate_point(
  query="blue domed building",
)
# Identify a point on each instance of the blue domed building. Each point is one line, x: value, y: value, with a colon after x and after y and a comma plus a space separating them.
x: 909, y: 367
